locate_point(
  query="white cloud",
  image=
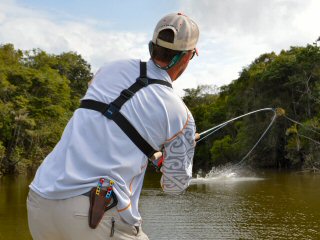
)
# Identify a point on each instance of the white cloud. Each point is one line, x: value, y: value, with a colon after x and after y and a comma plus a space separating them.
x: 235, y: 32
x: 28, y: 28
x: 232, y: 34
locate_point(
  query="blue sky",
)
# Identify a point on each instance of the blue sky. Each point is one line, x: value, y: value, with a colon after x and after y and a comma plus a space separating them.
x: 124, y: 15
x: 232, y: 32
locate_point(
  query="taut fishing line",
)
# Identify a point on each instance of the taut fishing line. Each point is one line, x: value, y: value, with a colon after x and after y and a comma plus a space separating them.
x: 303, y: 126
x: 294, y: 121
x: 277, y: 112
x: 210, y: 131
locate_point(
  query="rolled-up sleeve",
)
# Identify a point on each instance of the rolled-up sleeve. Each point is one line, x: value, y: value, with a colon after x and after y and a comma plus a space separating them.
x: 178, y: 159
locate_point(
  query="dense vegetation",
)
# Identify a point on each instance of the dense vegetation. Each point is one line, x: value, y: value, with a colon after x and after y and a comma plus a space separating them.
x: 39, y: 92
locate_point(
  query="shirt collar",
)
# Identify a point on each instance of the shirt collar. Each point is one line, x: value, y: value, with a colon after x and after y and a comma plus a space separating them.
x: 163, y: 73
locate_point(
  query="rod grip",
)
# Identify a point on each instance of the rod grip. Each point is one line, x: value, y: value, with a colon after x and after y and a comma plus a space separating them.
x: 197, y: 137
x: 156, y: 156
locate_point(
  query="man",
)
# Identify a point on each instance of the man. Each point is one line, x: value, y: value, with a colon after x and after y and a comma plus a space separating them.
x: 99, y: 150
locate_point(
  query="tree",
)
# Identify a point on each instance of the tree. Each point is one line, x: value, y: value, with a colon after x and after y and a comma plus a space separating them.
x: 289, y: 80
x: 38, y: 93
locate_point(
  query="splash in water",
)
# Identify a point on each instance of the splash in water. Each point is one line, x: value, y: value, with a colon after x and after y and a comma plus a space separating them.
x: 225, y: 174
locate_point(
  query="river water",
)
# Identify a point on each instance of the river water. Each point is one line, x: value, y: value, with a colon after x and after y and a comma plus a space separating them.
x: 223, y: 205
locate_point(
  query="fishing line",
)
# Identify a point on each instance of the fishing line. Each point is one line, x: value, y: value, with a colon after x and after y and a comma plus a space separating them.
x: 205, y: 134
x: 262, y: 135
x: 212, y: 131
x: 294, y: 121
x: 303, y: 126
x: 300, y: 135
x: 277, y: 112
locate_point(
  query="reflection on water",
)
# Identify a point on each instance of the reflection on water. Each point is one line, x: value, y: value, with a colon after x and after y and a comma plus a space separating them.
x: 13, y: 213
x: 225, y: 205
x: 237, y: 205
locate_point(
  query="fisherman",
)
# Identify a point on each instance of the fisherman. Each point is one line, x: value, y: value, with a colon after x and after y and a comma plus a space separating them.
x: 89, y: 186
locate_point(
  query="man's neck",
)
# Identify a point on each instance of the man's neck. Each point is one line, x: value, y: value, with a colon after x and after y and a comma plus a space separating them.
x: 171, y: 71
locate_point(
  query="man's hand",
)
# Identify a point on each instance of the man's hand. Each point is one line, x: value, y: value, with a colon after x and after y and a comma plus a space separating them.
x: 158, y: 155
x: 197, y: 137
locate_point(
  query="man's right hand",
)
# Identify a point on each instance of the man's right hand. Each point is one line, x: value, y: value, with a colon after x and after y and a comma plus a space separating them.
x: 197, y: 137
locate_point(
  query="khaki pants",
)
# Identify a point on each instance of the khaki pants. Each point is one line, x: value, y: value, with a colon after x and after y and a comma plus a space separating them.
x: 68, y: 219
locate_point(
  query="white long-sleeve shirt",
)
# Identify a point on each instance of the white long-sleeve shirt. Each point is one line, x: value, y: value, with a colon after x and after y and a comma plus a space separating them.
x: 94, y: 147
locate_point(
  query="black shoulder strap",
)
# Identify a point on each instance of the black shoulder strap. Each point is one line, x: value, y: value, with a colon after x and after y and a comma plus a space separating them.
x: 112, y: 110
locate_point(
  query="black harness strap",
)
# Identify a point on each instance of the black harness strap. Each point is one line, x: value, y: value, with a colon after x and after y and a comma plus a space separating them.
x: 112, y: 110
x: 141, y: 82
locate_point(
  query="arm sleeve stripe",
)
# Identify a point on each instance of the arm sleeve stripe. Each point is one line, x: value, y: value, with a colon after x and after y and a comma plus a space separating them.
x: 181, y: 131
x: 123, y: 209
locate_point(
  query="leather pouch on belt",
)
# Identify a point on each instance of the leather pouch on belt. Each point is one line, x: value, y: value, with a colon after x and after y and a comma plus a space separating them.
x: 98, y: 205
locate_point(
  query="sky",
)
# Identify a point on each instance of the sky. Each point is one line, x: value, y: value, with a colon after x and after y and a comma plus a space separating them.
x: 232, y: 32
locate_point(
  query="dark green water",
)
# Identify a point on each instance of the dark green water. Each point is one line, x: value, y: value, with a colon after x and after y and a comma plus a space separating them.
x: 270, y: 205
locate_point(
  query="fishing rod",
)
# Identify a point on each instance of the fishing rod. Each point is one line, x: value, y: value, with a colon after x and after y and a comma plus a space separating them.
x: 277, y: 113
x: 200, y: 136
x: 210, y: 131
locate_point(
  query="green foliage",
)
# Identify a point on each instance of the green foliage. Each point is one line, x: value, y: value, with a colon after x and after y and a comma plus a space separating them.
x: 221, y: 150
x: 289, y: 80
x: 69, y: 65
x: 2, y: 151
x: 38, y: 93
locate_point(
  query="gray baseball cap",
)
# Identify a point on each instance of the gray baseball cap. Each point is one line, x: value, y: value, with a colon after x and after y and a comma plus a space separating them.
x: 186, y: 32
